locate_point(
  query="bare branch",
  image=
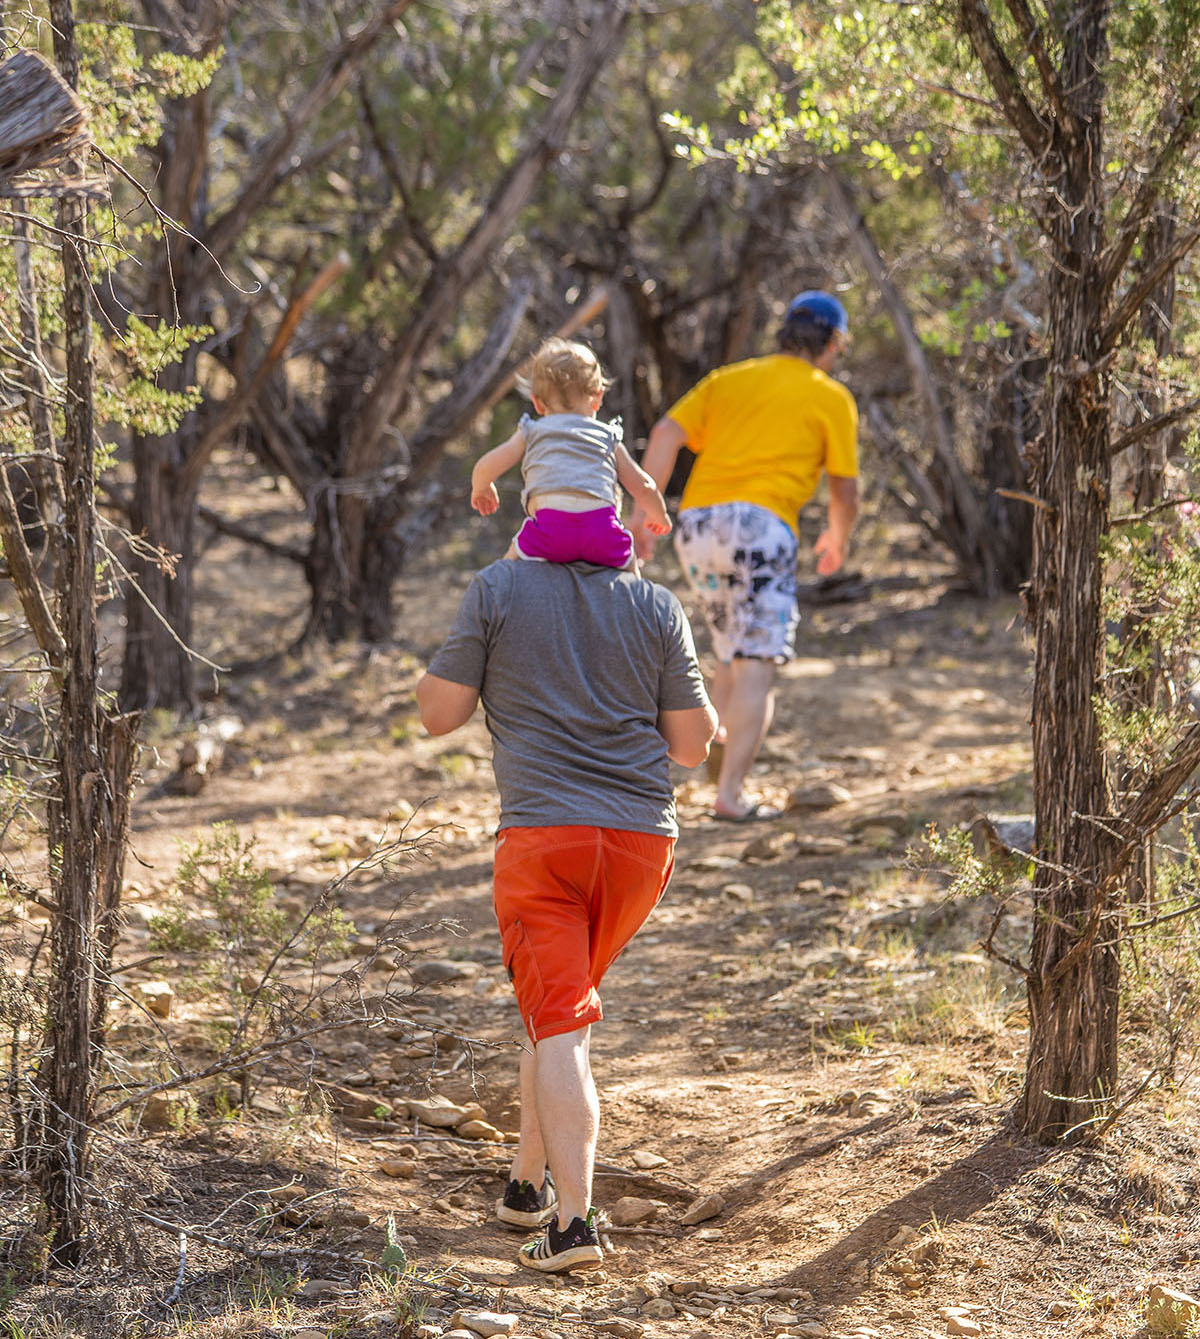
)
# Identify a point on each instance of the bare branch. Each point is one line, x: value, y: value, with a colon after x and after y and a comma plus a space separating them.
x: 1137, y: 293
x: 272, y: 164
x: 1035, y: 44
x: 1182, y: 133
x: 1003, y: 77
x: 1150, y: 426
x: 232, y: 412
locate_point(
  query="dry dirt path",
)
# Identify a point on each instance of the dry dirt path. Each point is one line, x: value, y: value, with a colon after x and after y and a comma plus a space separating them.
x: 805, y: 1027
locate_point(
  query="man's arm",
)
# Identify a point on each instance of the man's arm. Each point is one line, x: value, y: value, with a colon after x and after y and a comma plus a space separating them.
x: 688, y: 733
x: 830, y: 547
x: 662, y: 449
x: 444, y: 705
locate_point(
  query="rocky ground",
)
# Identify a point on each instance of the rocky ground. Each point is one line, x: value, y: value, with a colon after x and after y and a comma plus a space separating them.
x: 806, y: 1063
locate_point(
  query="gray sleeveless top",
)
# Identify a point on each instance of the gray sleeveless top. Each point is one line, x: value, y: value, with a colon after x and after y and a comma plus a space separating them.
x: 571, y: 451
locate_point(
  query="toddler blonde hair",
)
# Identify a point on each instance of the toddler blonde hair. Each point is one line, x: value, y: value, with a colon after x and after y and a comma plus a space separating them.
x: 562, y: 373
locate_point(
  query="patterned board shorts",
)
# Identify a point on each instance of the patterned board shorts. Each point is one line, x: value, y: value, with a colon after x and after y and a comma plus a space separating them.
x: 741, y: 562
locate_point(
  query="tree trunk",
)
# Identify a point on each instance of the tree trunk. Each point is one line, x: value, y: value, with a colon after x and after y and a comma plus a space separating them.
x: 76, y: 814
x: 157, y: 669
x: 1071, y: 1073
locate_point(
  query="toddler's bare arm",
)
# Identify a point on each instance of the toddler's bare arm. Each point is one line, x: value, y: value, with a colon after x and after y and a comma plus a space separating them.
x: 644, y: 491
x: 489, y: 467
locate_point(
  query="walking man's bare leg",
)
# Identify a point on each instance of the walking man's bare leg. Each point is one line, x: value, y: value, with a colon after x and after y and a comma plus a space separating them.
x: 529, y: 1163
x: 746, y: 715
x: 568, y: 1113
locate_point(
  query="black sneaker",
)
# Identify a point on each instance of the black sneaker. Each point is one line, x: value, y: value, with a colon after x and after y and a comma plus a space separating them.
x: 576, y: 1247
x: 522, y: 1206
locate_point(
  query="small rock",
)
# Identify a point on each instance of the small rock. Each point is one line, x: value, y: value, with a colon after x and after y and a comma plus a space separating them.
x: 739, y: 892
x: 405, y: 1167
x: 784, y: 1318
x: 315, y: 1289
x: 769, y: 846
x: 167, y: 1111
x: 687, y: 1287
x: 810, y: 1329
x: 353, y: 1103
x: 710, y: 1234
x: 623, y: 1329
x: 286, y: 1194
x: 421, y: 1332
x: 700, y: 1210
x: 866, y: 1107
x: 963, y: 1325
x: 479, y: 1129
x: 485, y: 1323
x: 658, y: 1308
x: 442, y: 1114
x: 157, y: 997
x: 823, y: 795
x: 629, y: 1209
x: 1169, y: 1311
x: 310, y: 1334
x: 646, y: 1161
x: 433, y: 971
x: 901, y: 1237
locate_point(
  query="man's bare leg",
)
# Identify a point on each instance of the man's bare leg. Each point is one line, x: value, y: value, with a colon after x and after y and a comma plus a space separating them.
x: 568, y: 1116
x: 529, y: 1164
x: 746, y: 716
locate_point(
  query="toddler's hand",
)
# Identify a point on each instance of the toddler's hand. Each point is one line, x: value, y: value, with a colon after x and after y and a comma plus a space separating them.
x: 485, y: 500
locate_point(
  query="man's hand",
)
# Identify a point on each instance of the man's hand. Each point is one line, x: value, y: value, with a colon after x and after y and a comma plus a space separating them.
x: 830, y: 548
x: 831, y: 553
x: 485, y: 500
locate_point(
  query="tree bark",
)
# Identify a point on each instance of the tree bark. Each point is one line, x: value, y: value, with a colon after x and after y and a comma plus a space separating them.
x: 77, y: 812
x: 1071, y: 1073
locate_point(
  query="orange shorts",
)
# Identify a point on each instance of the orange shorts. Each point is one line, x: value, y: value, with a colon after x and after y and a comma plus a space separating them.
x: 568, y: 900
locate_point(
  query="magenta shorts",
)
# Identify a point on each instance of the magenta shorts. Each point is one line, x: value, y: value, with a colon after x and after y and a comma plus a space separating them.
x: 576, y: 537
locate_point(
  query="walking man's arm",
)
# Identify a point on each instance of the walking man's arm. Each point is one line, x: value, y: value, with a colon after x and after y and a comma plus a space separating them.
x: 443, y: 704
x: 688, y: 733
x: 830, y: 547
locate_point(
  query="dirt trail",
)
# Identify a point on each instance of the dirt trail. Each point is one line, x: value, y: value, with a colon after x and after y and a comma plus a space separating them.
x: 805, y: 1026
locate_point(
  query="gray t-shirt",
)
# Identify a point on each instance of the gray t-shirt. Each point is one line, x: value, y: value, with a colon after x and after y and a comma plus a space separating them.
x: 570, y: 451
x: 573, y: 664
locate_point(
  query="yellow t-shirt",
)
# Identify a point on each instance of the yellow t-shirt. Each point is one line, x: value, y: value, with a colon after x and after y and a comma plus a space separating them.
x: 763, y: 431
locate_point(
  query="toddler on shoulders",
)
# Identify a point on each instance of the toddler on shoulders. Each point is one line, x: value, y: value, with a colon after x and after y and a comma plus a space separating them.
x: 571, y: 464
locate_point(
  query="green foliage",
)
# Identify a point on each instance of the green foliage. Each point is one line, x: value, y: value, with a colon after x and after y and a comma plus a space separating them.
x: 1160, y: 974
x: 393, y: 1256
x: 123, y: 94
x: 241, y: 928
x: 952, y: 850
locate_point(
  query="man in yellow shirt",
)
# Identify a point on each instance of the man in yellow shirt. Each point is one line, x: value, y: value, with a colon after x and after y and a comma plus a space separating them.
x: 763, y: 431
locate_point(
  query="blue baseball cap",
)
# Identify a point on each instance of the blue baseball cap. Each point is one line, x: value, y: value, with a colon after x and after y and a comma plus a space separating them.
x: 823, y: 308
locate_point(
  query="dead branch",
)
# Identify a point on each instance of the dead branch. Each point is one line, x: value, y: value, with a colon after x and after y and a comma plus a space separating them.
x: 1158, y: 423
x: 273, y: 162
x: 233, y: 410
x: 1004, y: 78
